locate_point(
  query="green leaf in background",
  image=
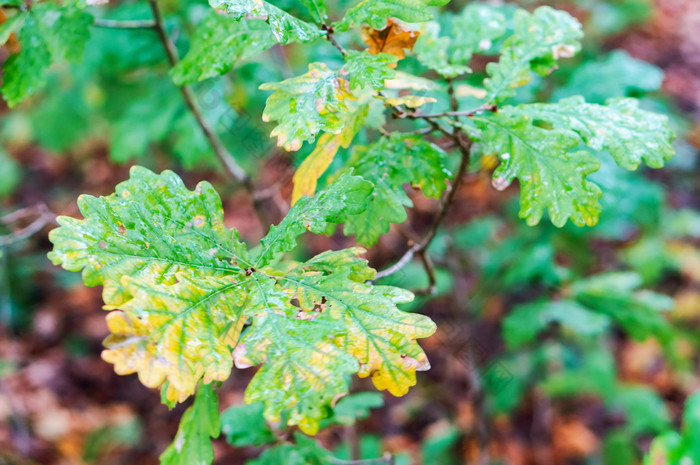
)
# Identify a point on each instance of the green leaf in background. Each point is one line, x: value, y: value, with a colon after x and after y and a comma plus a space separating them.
x: 318, y: 9
x: 539, y: 40
x: 244, y: 425
x: 66, y: 29
x: 199, y: 423
x: 284, y: 26
x: 25, y: 72
x: 305, y: 105
x: 354, y: 407
x: 389, y: 164
x: 551, y: 176
x: 48, y: 31
x: 218, y: 44
x: 475, y: 29
x: 630, y: 134
x: 433, y: 52
x: 365, y: 69
x: 10, y: 174
x: 376, y: 12
x: 639, y: 312
x: 593, y: 374
x: 526, y: 321
x: 304, y: 451
x: 619, y: 75
x: 691, y: 425
x: 666, y: 449
x: 645, y: 411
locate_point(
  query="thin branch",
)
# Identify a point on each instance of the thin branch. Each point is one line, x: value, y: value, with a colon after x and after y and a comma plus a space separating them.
x: 387, y: 459
x: 45, y: 216
x: 118, y: 24
x: 331, y: 38
x: 418, y: 115
x: 448, y: 199
x: 430, y: 271
x: 465, y: 145
x: 217, y: 146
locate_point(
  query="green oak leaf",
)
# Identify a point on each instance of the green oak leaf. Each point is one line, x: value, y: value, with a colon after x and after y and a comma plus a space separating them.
x: 552, y: 174
x: 318, y: 9
x: 66, y: 29
x: 305, y: 105
x: 285, y: 27
x: 474, y: 30
x: 218, y: 44
x: 630, y: 134
x: 151, y: 228
x: 365, y: 69
x: 539, y: 39
x: 379, y: 336
x: 187, y: 303
x: 433, y: 52
x: 375, y: 12
x: 389, y: 164
x: 345, y: 197
x: 199, y: 423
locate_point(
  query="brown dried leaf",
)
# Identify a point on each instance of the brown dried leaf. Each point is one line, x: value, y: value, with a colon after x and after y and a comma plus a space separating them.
x: 394, y: 39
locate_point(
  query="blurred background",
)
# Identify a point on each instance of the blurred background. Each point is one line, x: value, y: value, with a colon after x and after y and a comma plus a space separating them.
x: 584, y: 387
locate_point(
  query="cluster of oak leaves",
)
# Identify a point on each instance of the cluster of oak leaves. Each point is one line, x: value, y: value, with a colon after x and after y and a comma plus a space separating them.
x: 188, y: 300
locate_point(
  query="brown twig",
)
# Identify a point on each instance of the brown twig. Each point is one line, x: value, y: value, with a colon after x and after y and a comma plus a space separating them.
x: 127, y: 24
x: 331, y: 38
x: 387, y: 459
x: 217, y: 146
x: 418, y: 115
x: 45, y: 216
x: 448, y: 199
x: 464, y: 144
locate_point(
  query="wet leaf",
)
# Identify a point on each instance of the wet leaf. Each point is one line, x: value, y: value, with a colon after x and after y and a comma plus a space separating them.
x: 307, y: 175
x: 304, y: 106
x: 389, y: 164
x: 630, y: 134
x: 365, y: 69
x: 393, y: 38
x: 218, y: 44
x: 552, y: 172
x: 285, y: 27
x: 181, y: 288
x: 376, y: 12
x: 539, y: 40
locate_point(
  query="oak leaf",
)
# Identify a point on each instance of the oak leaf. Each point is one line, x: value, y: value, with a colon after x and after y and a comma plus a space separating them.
x: 394, y: 39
